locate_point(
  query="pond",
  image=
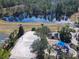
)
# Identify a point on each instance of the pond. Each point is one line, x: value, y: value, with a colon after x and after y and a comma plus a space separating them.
x: 3, y: 37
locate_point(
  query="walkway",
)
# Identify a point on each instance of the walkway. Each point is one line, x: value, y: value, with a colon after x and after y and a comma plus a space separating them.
x: 23, y: 47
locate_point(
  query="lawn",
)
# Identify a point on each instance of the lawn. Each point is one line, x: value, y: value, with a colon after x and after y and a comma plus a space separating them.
x: 6, y: 27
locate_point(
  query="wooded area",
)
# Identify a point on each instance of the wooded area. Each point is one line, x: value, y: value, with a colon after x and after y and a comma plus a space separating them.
x: 39, y: 7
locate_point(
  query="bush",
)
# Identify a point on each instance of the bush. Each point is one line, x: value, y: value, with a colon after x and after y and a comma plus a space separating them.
x: 33, y: 29
x: 40, y: 45
x: 43, y: 30
x: 65, y: 34
x: 21, y: 31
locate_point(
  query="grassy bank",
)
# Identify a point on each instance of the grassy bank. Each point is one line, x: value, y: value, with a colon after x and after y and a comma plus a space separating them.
x: 6, y: 27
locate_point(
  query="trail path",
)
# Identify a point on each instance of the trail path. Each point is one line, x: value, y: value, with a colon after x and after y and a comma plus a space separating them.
x: 22, y: 49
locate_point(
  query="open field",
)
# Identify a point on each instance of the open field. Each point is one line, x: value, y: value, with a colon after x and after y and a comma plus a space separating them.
x: 6, y: 27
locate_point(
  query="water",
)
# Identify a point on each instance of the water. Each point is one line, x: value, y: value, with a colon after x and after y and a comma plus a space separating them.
x: 3, y: 37
x: 24, y: 18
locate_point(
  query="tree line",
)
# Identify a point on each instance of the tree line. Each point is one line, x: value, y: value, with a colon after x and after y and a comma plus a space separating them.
x: 54, y: 8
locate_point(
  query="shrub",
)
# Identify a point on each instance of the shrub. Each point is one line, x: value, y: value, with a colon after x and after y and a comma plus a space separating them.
x: 21, y: 31
x: 33, y: 29
x: 43, y: 30
x: 65, y: 34
x: 40, y: 45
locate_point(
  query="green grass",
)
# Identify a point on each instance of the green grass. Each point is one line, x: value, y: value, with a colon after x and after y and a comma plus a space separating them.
x: 4, y: 54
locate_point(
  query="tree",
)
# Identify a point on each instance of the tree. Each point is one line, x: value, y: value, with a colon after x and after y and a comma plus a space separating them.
x: 70, y: 6
x: 21, y: 31
x: 43, y: 30
x: 41, y: 44
x: 58, y: 11
x: 43, y: 7
x: 33, y: 29
x: 65, y: 34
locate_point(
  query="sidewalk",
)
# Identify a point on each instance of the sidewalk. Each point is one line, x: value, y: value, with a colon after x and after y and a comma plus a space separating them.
x: 22, y: 49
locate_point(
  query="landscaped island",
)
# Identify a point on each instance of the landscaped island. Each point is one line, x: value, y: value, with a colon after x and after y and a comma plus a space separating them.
x: 41, y: 43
